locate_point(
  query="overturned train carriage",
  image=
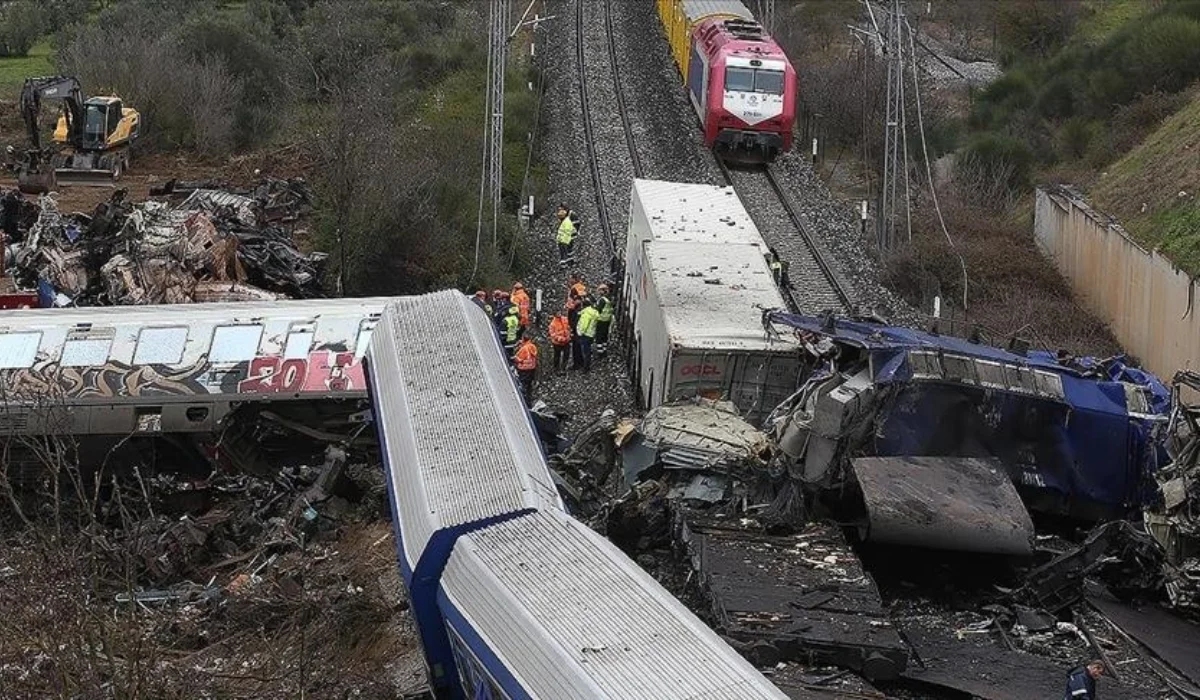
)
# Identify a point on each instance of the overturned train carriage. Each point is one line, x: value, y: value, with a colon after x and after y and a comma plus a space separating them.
x: 1078, y: 437
x: 179, y: 373
x: 512, y: 597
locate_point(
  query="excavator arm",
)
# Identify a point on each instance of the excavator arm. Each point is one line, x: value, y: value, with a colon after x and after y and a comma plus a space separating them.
x: 52, y: 88
x: 35, y: 172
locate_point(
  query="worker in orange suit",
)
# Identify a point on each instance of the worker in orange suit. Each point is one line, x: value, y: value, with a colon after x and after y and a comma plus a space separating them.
x: 521, y: 299
x: 525, y: 359
x: 560, y: 339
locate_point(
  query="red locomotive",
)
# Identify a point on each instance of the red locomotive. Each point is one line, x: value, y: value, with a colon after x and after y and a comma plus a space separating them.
x: 740, y: 82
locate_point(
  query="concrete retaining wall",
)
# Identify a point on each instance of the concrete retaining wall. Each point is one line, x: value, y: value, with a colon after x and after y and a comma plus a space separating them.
x: 1152, y: 307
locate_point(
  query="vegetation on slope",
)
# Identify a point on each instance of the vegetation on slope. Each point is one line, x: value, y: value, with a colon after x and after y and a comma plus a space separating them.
x: 1152, y: 189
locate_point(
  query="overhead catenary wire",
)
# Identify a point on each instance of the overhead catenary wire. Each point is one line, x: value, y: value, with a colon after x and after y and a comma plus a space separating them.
x: 929, y: 172
x: 485, y: 158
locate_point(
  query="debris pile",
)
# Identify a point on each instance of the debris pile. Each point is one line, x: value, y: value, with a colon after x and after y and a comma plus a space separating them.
x: 229, y: 582
x: 214, y: 245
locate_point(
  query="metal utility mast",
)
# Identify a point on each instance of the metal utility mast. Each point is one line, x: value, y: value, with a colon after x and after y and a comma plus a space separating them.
x: 499, y: 17
x: 894, y: 213
x: 765, y: 11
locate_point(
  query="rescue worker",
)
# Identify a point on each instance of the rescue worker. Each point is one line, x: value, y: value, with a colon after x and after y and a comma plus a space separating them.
x: 1081, y: 681
x: 604, y: 319
x: 499, y: 309
x: 779, y: 268
x: 568, y: 225
x: 576, y: 291
x: 521, y: 299
x: 776, y: 266
x: 586, y: 332
x: 512, y: 329
x: 560, y: 339
x: 481, y: 301
x: 525, y: 359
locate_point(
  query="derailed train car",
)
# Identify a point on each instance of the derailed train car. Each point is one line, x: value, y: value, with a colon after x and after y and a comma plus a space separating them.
x: 512, y: 597
x: 1075, y: 437
x: 738, y: 79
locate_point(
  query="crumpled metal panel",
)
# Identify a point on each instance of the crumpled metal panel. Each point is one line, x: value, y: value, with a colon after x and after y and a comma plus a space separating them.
x: 210, y: 201
x: 954, y: 503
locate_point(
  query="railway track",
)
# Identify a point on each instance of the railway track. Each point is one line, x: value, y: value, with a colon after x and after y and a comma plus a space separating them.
x: 589, y: 110
x: 589, y: 130
x: 610, y: 38
x: 815, y: 285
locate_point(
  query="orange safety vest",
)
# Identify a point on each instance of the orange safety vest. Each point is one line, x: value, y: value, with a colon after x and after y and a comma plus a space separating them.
x: 526, y: 357
x: 560, y: 331
x: 521, y: 299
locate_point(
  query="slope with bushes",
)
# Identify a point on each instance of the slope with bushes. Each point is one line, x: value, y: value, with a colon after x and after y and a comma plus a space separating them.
x: 1097, y: 96
x: 1152, y: 190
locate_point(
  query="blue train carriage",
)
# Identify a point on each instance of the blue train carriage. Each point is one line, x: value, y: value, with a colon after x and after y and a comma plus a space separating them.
x: 457, y: 443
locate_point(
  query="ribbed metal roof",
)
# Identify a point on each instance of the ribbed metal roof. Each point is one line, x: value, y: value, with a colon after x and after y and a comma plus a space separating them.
x: 460, y: 446
x: 570, y: 616
x: 696, y: 10
x: 678, y: 211
x: 712, y: 294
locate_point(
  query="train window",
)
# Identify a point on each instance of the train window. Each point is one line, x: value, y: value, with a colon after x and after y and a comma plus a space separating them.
x: 160, y: 346
x: 739, y: 80
x: 235, y: 343
x: 85, y: 352
x: 364, y: 338
x: 18, y: 350
x: 299, y: 342
x: 768, y: 81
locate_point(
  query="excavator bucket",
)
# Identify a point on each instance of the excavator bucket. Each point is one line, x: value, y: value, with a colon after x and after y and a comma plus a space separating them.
x: 36, y: 181
x: 81, y: 177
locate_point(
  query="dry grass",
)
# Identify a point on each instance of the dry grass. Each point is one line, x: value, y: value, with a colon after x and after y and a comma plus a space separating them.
x: 1146, y: 183
x: 1012, y: 288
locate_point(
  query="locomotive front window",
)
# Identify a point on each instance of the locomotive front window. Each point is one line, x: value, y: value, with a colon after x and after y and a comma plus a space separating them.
x: 739, y: 80
x: 768, y: 81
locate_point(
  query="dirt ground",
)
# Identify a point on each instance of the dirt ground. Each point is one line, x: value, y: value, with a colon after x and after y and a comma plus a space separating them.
x: 147, y: 170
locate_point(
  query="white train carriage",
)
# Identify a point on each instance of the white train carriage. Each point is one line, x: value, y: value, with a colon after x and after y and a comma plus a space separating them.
x: 458, y: 444
x: 512, y: 597
x: 176, y: 368
x: 543, y: 607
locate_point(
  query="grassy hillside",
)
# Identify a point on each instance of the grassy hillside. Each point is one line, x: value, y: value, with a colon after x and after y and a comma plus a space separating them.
x: 1152, y: 189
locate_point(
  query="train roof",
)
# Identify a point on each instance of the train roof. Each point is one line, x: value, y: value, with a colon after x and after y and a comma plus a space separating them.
x: 696, y: 10
x: 712, y: 295
x: 568, y: 615
x: 676, y: 211
x: 455, y: 433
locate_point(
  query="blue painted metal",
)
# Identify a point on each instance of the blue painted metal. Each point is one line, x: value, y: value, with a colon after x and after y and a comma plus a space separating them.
x: 491, y: 663
x: 1087, y: 453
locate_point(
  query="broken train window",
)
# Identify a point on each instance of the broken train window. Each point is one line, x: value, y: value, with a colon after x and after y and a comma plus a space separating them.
x: 235, y: 343
x: 89, y: 350
x: 160, y: 346
x: 19, y: 350
x: 300, y: 340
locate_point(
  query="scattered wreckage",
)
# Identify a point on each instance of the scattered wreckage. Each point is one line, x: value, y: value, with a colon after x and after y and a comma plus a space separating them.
x: 899, y: 437
x: 214, y: 245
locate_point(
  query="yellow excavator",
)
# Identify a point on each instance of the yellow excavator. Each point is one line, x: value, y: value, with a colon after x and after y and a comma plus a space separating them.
x: 91, y: 140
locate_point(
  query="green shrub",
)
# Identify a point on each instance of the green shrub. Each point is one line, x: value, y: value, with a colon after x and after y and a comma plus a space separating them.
x: 997, y: 159
x: 1179, y: 229
x: 1076, y: 136
x: 21, y: 23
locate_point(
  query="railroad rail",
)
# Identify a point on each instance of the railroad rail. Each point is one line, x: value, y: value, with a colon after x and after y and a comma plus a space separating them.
x: 822, y: 287
x: 589, y: 132
x: 610, y: 38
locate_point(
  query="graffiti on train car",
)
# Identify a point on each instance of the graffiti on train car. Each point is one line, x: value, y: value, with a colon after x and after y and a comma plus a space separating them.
x: 48, y: 380
x: 321, y: 371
